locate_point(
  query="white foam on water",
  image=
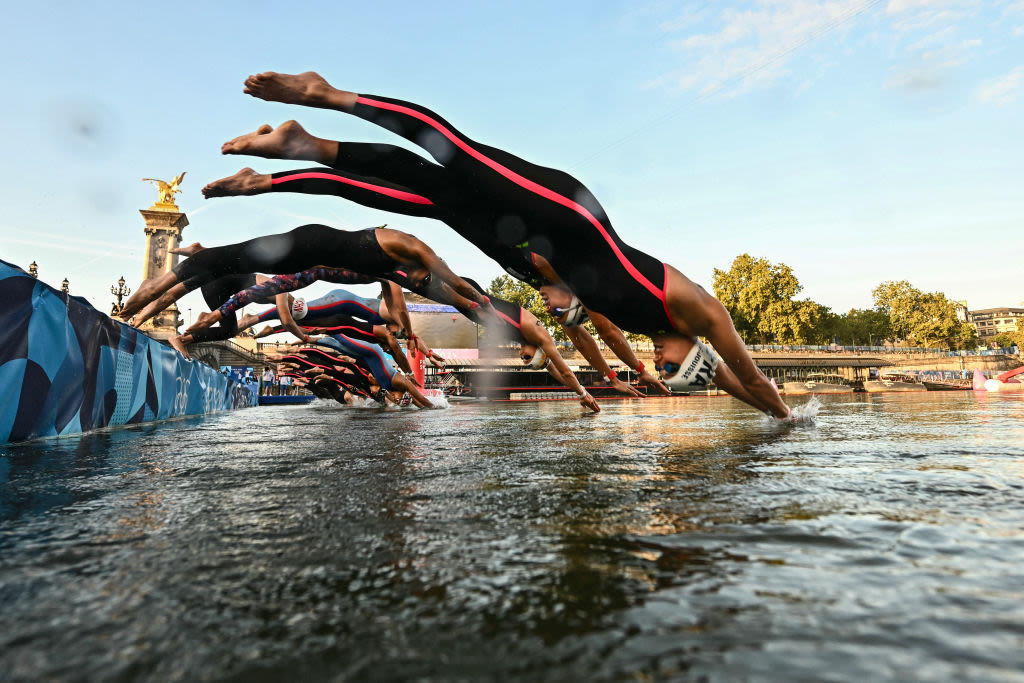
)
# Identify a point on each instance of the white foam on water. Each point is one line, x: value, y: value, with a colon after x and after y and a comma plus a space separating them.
x: 806, y: 413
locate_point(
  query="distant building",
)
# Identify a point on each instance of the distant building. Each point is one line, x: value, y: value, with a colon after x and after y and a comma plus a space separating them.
x: 440, y: 326
x: 993, y: 321
x: 961, y: 311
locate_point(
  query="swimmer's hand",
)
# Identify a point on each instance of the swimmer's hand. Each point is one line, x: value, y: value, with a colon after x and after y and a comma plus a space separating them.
x: 588, y: 401
x: 653, y: 382
x: 624, y: 388
x: 205, y: 320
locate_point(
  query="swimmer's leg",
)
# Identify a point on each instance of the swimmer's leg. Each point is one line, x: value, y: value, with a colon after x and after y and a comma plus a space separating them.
x: 367, y: 191
x: 146, y: 292
x: 166, y: 299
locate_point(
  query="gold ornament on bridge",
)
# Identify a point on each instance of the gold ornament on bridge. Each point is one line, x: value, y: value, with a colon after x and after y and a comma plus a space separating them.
x: 166, y: 192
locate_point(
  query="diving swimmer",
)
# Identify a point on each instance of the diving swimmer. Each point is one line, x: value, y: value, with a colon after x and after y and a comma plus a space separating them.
x: 538, y: 221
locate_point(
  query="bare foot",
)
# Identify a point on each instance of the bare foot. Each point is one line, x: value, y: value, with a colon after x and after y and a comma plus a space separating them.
x: 190, y: 250
x: 245, y: 182
x: 205, y: 320
x: 288, y: 141
x: 309, y: 89
x: 179, y: 346
x: 247, y: 320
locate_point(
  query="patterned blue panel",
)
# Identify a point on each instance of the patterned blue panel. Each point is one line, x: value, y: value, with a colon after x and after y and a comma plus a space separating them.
x: 66, y: 368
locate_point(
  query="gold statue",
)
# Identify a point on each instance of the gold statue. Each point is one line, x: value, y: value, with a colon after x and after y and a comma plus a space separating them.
x: 166, y: 190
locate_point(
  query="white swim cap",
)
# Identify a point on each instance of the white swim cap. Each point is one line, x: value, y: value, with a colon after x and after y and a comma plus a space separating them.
x: 299, y: 308
x: 540, y: 360
x: 574, y: 314
x: 696, y: 371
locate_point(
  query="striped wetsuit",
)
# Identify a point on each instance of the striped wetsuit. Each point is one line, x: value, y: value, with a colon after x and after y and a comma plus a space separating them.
x: 216, y: 293
x: 265, y: 291
x: 334, y: 303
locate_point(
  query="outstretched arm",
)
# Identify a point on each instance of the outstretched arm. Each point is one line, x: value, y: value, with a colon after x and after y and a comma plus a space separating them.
x: 759, y: 392
x: 387, y: 339
x: 284, y: 312
x: 405, y: 384
x: 533, y: 332
x: 394, y: 299
x: 587, y: 346
x: 406, y: 248
x: 616, y: 341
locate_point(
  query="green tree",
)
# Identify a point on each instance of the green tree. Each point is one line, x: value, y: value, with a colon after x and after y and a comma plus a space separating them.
x: 759, y: 296
x: 522, y: 294
x: 866, y: 326
x: 922, y: 318
x: 1003, y: 340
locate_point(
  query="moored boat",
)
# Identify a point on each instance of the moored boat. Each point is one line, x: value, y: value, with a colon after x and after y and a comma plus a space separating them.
x: 819, y: 383
x: 950, y: 385
x: 894, y: 382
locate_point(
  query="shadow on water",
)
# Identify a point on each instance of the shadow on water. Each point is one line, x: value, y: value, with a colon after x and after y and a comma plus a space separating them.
x: 662, y: 538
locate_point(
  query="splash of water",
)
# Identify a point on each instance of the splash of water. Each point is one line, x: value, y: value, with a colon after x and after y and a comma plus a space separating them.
x: 808, y: 412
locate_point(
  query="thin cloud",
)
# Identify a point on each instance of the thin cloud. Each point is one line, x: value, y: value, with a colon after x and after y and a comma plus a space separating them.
x: 1004, y: 89
x: 114, y: 251
x: 753, y: 46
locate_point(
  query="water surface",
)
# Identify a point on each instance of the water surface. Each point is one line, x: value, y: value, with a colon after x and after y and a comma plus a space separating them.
x: 662, y: 539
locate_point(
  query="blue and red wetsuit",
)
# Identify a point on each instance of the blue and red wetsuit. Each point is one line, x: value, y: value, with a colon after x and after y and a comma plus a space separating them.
x: 337, y: 302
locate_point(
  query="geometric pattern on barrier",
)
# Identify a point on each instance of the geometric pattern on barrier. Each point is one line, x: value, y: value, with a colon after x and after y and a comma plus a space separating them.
x: 66, y: 368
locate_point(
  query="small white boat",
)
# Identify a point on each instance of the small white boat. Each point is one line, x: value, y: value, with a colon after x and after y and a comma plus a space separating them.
x: 894, y: 382
x: 819, y: 383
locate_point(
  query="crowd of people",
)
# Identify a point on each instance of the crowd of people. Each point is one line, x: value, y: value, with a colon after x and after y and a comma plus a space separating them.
x: 541, y: 225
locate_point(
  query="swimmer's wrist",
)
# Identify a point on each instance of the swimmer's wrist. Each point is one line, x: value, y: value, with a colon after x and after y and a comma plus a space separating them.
x: 640, y: 369
x: 612, y: 375
x: 584, y: 395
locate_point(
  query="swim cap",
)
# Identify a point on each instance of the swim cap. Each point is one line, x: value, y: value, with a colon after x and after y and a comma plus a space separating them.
x: 696, y: 371
x: 299, y: 308
x: 540, y: 360
x: 575, y: 314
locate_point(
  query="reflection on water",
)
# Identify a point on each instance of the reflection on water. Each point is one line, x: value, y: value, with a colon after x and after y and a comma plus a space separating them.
x: 664, y: 538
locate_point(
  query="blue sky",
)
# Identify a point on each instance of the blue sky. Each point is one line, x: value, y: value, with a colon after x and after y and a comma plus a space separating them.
x: 856, y: 141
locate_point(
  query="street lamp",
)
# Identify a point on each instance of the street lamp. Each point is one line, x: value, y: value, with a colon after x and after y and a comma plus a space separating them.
x: 120, y: 292
x: 33, y: 269
x: 64, y: 286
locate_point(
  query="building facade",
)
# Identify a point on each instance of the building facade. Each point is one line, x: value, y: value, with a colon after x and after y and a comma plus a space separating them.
x: 993, y: 321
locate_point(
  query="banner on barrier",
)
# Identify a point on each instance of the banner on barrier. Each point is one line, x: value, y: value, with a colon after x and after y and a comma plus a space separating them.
x: 66, y: 368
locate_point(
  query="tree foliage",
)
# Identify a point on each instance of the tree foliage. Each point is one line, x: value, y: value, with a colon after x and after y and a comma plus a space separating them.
x: 923, y: 318
x: 522, y: 294
x: 759, y: 296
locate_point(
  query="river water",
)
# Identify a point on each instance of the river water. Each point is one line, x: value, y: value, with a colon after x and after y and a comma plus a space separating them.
x: 664, y: 539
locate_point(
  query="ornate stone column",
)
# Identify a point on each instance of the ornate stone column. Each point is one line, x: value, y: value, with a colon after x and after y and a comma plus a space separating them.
x: 164, y: 225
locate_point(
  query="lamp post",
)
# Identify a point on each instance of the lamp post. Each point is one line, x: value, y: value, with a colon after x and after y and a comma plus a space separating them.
x: 120, y: 291
x: 33, y: 269
x: 64, y: 286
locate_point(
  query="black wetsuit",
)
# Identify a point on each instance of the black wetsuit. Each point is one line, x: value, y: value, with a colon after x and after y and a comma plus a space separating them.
x: 289, y: 252
x: 508, y: 207
x: 215, y: 294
